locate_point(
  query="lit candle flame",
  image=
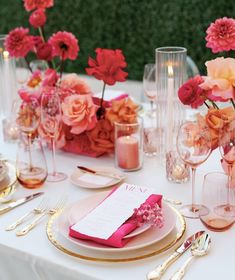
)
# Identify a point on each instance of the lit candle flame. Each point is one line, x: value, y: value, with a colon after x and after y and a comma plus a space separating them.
x: 5, y: 54
x: 170, y: 70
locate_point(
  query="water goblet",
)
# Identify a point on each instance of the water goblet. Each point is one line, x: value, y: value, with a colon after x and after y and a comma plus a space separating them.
x: 194, y: 147
x: 150, y: 130
x: 149, y: 84
x: 227, y: 151
x: 51, y: 125
x: 28, y: 119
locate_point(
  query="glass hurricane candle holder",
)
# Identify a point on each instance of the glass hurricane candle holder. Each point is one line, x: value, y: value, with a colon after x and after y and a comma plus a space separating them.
x: 129, y: 145
x: 170, y: 113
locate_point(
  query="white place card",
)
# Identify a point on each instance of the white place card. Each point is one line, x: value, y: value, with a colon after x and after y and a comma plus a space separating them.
x: 108, y: 216
x: 95, y: 179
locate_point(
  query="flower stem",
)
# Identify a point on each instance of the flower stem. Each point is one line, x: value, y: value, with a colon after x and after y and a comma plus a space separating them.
x: 214, y: 105
x: 42, y: 34
x: 102, y: 97
x: 232, y: 101
x: 206, y: 105
x: 27, y: 62
x: 62, y: 66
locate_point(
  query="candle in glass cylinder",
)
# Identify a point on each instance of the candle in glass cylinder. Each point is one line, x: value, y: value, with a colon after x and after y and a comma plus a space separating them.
x: 127, y: 152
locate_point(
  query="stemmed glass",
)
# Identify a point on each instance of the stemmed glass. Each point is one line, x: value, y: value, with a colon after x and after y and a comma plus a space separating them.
x: 150, y: 90
x: 227, y: 151
x: 194, y: 147
x: 149, y: 84
x: 51, y: 124
x: 28, y: 121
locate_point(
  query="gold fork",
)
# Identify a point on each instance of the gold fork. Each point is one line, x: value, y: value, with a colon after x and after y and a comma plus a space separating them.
x: 58, y: 207
x: 42, y: 206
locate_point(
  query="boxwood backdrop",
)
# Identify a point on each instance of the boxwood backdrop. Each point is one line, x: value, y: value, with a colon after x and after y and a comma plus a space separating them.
x: 137, y: 27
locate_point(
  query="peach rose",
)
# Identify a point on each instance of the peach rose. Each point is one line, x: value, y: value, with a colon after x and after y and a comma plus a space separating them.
x: 102, y: 136
x: 73, y: 83
x: 220, y: 78
x: 216, y: 120
x: 122, y: 111
x: 79, y: 112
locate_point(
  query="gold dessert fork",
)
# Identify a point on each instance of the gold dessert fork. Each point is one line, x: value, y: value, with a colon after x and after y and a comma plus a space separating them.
x: 36, y: 211
x: 58, y: 207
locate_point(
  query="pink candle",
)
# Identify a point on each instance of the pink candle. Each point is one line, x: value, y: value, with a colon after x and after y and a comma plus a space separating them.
x: 127, y: 149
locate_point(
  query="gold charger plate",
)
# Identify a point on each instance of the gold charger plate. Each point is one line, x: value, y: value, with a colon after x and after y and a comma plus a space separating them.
x: 8, y: 185
x: 70, y: 249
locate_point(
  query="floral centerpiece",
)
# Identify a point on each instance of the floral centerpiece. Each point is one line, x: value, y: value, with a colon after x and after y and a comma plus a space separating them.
x: 87, y: 122
x: 217, y: 88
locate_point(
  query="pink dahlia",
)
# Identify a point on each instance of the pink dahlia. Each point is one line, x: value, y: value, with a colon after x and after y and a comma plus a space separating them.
x: 64, y: 44
x: 37, y: 4
x: 18, y: 43
x: 221, y: 35
x: 38, y: 18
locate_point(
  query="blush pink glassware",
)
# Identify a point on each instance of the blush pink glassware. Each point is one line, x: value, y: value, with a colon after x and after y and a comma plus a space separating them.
x: 51, y: 124
x: 194, y: 147
x: 227, y: 151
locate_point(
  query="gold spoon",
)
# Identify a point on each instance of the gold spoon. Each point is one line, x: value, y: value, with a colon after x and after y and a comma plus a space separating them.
x: 199, y: 248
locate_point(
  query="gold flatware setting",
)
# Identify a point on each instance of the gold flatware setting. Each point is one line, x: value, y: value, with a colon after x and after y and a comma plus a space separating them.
x: 42, y: 206
x: 19, y: 202
x: 158, y: 272
x: 47, y: 211
x: 199, y: 248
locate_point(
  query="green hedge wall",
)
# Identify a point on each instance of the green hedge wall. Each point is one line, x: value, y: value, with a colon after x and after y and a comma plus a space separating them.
x: 137, y: 27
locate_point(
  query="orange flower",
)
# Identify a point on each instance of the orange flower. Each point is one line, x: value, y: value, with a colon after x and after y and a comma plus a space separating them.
x: 122, y: 111
x: 102, y: 136
x: 216, y: 120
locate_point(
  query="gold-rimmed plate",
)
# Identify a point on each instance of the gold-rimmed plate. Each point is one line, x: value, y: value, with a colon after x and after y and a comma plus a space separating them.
x: 61, y: 243
x: 8, y: 184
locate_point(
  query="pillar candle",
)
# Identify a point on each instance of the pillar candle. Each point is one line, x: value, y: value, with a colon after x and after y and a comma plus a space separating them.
x: 127, y: 152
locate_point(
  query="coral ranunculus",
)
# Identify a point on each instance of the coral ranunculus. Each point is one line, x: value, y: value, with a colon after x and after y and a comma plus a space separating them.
x: 108, y: 66
x: 102, y: 137
x: 191, y: 94
x: 37, y: 4
x: 221, y: 35
x: 122, y: 111
x: 38, y: 18
x: 64, y: 44
x: 216, y: 120
x: 79, y: 112
x: 18, y: 43
x: 220, y: 78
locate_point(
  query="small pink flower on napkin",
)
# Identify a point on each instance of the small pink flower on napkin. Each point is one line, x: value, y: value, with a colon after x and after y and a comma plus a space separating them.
x: 116, y: 239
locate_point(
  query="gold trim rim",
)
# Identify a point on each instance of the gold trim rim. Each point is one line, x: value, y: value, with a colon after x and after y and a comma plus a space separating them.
x: 55, y: 242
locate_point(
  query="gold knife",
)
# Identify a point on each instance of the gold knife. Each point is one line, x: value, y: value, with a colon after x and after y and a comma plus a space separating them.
x: 19, y: 202
x: 157, y: 273
x: 102, y: 173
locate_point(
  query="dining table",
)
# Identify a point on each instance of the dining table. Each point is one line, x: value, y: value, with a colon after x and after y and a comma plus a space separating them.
x: 35, y: 257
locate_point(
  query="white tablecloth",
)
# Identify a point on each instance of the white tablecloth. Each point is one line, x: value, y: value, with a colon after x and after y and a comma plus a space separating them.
x: 33, y: 257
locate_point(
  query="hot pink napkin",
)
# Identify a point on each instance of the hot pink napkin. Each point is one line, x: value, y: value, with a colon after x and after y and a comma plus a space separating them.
x: 116, y: 239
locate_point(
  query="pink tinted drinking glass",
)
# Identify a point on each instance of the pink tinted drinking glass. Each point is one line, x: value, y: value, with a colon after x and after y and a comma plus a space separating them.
x: 51, y: 124
x: 227, y: 151
x: 194, y: 147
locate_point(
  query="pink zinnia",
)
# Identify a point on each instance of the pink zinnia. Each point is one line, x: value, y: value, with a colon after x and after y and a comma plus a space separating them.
x: 221, y: 35
x: 65, y: 45
x: 38, y: 18
x: 18, y: 43
x: 37, y: 4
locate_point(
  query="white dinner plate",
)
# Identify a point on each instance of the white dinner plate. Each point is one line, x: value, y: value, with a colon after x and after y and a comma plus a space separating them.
x: 77, y: 174
x: 77, y: 210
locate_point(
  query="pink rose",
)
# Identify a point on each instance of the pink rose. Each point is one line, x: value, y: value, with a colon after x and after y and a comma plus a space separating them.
x: 220, y: 78
x: 44, y: 51
x: 191, y: 94
x: 38, y: 18
x: 79, y: 112
x: 50, y: 78
x: 36, y: 4
x: 74, y: 84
